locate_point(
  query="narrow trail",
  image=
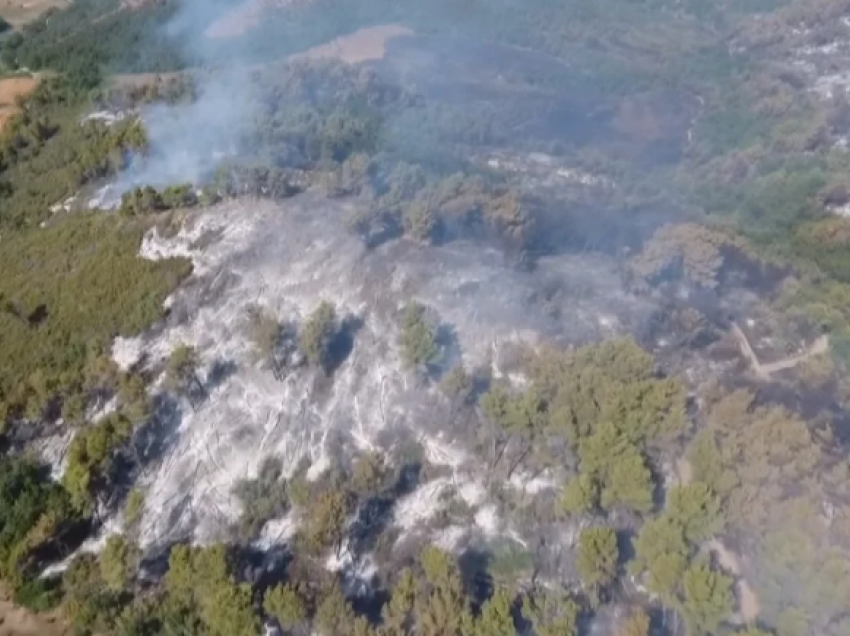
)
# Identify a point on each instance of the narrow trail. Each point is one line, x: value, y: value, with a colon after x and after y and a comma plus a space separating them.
x: 764, y: 371
x: 748, y: 602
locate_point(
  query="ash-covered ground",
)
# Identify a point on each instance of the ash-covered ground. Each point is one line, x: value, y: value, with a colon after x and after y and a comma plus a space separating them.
x: 289, y: 257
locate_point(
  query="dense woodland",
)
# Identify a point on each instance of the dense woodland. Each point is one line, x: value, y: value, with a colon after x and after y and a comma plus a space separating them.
x: 753, y: 186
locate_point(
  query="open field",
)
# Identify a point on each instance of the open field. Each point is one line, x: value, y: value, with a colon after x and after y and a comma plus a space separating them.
x: 10, y: 89
x: 20, y: 12
x: 365, y: 45
x: 17, y: 621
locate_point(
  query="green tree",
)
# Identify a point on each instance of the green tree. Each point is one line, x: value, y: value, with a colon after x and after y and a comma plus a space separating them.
x: 134, y: 508
x: 286, y: 604
x: 265, y: 333
x: 551, y: 613
x: 118, y: 563
x: 318, y: 334
x: 618, y: 465
x: 181, y: 372
x: 662, y: 553
x: 707, y: 599
x: 636, y: 624
x: 368, y: 474
x: 396, y: 613
x: 418, y: 340
x: 458, y: 385
x: 629, y: 484
x: 198, y: 580
x: 598, y: 556
x: 419, y: 220
x: 325, y: 524
x: 697, y: 510
x: 90, y: 458
x: 495, y: 618
x: 581, y: 495
x: 334, y: 616
x: 263, y: 498
x: 441, y: 606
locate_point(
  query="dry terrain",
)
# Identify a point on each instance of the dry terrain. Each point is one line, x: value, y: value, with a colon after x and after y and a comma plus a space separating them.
x: 16, y: 621
x: 19, y: 12
x: 10, y: 89
x: 364, y: 45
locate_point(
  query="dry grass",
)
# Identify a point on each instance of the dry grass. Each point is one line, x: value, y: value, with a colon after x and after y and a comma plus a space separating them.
x: 363, y: 45
x: 16, y: 621
x: 10, y: 89
x: 20, y: 12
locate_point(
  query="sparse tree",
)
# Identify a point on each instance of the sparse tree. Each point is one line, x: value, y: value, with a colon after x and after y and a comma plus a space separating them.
x: 334, y: 616
x: 458, y: 385
x: 181, y: 372
x: 318, y: 334
x: 662, y: 552
x: 419, y: 220
x: 707, y: 599
x: 581, y: 495
x: 287, y: 605
x: 133, y: 510
x: 441, y: 607
x: 368, y: 473
x: 495, y: 618
x: 397, y: 611
x: 263, y: 498
x: 418, y: 339
x: 551, y: 613
x: 325, y: 525
x: 598, y: 555
x: 118, y: 563
x: 697, y: 510
x: 266, y: 334
x: 636, y: 624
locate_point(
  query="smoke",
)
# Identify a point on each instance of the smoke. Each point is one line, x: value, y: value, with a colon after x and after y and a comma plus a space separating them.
x: 187, y: 141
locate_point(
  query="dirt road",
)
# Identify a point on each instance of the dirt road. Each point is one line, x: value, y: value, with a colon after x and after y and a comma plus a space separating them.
x: 764, y: 371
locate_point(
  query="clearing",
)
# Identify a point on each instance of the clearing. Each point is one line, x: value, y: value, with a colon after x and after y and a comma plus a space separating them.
x: 18, y: 12
x: 17, y: 621
x: 364, y: 45
x: 10, y: 89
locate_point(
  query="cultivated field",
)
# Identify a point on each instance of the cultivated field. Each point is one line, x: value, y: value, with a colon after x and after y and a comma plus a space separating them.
x: 10, y: 89
x: 19, y: 12
x: 364, y: 45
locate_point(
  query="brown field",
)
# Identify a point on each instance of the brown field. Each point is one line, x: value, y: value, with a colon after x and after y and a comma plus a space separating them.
x: 19, y: 12
x: 16, y: 621
x: 364, y: 45
x: 10, y: 89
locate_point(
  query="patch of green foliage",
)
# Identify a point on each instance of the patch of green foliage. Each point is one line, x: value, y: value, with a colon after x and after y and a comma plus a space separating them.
x: 46, y: 154
x: 68, y: 289
x: 91, y: 37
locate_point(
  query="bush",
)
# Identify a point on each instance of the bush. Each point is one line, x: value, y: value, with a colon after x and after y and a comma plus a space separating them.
x: 418, y: 339
x: 318, y: 334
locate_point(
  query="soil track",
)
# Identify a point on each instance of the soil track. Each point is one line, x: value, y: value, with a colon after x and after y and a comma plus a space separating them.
x: 764, y: 371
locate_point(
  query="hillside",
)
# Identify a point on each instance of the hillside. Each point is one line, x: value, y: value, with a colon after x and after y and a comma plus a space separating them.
x: 355, y: 317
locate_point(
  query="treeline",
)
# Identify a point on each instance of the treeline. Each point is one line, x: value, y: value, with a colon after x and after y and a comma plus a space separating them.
x: 94, y: 37
x: 47, y: 153
x: 603, y: 405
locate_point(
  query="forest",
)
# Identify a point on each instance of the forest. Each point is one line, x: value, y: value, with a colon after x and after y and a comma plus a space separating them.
x: 748, y: 201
